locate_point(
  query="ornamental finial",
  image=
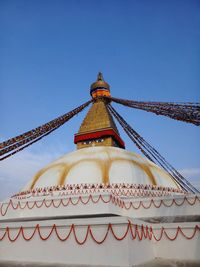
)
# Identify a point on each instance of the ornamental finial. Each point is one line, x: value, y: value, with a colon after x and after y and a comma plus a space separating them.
x: 100, y: 76
x: 100, y: 87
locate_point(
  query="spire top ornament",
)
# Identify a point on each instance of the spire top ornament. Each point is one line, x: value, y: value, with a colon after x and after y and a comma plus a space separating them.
x: 100, y: 87
x: 100, y: 76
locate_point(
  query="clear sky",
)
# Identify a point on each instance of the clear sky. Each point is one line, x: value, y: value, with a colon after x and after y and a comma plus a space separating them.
x: 51, y: 51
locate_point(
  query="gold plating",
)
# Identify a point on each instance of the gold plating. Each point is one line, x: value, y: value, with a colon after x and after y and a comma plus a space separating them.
x: 100, y: 82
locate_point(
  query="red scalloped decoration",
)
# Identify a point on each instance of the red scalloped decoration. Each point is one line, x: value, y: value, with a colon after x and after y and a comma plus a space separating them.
x: 139, y: 232
x: 107, y: 199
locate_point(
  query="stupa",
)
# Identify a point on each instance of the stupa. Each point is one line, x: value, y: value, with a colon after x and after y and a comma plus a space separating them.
x: 100, y: 205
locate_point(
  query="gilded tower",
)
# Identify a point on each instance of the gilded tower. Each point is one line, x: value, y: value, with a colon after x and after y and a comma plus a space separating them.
x: 98, y: 127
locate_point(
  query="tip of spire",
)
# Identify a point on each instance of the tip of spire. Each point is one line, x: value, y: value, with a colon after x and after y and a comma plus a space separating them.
x: 100, y: 76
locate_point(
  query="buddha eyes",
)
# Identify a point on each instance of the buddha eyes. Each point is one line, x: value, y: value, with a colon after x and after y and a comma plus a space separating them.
x: 91, y: 141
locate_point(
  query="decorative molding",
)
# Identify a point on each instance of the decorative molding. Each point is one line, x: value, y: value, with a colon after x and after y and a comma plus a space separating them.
x: 56, y: 203
x: 135, y: 231
x: 120, y: 189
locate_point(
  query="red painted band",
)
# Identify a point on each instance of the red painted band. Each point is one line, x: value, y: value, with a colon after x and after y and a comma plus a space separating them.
x: 99, y: 134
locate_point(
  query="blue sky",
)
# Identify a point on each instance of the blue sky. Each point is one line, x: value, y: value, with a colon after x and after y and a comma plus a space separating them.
x: 51, y: 51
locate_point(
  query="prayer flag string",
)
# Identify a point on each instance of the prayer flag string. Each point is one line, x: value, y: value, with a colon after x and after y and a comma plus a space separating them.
x: 151, y: 153
x: 22, y: 141
x: 187, y: 112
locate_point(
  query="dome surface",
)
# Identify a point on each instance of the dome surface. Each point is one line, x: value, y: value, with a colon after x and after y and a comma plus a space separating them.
x: 101, y: 165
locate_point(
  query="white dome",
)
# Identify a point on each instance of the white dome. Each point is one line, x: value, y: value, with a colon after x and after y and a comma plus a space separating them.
x: 101, y: 165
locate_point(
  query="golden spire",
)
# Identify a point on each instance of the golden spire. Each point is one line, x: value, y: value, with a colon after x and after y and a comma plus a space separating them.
x: 98, y: 128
